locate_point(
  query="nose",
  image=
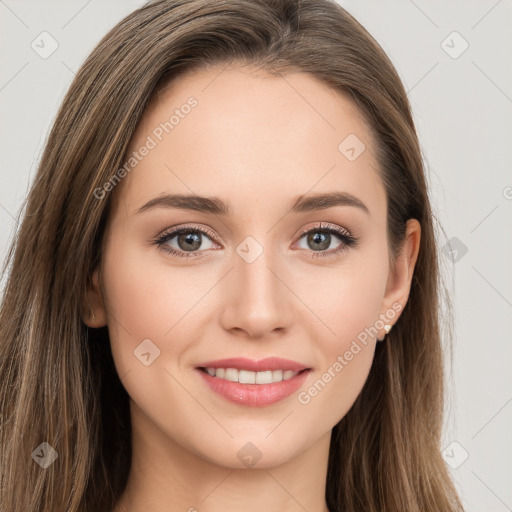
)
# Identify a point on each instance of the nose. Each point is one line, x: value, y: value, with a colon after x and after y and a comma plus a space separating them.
x: 258, y: 302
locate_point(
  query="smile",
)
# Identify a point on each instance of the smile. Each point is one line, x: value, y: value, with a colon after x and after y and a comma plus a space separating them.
x: 252, y: 394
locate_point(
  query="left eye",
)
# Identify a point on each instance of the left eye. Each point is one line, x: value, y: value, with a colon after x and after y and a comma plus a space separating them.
x: 322, y: 237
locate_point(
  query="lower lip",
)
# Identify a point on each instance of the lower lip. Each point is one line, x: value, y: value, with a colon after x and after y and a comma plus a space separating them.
x: 256, y: 395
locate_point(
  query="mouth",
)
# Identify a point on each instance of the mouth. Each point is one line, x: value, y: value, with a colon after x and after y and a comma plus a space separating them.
x: 253, y: 383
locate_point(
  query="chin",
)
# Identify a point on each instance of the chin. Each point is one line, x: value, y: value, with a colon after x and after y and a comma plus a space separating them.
x: 254, y: 452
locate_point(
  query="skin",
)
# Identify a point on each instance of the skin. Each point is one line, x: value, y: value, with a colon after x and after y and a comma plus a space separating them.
x: 255, y: 141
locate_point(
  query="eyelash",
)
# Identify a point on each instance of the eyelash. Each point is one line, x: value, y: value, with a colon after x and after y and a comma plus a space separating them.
x: 347, y: 239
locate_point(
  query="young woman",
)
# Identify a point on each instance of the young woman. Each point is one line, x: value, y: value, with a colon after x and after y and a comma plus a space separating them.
x: 224, y: 291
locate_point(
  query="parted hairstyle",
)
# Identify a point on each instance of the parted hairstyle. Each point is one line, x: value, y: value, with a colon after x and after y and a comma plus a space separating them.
x: 58, y: 382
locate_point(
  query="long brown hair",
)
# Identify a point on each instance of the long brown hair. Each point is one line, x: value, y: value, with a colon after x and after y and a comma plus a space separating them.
x: 58, y: 381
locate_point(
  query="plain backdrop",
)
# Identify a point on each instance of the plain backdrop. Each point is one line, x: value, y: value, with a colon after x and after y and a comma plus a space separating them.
x: 455, y: 61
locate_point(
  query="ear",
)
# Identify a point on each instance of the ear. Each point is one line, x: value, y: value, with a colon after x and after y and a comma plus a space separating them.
x: 399, y: 282
x: 94, y: 313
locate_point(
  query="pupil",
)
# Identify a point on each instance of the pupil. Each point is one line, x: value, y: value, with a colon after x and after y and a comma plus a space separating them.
x: 190, y: 239
x: 320, y: 238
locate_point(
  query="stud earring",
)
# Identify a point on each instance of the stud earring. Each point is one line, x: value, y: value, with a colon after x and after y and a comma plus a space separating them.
x: 387, y: 328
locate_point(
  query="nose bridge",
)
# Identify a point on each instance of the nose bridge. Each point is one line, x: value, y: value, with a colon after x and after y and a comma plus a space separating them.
x: 255, y: 258
x: 256, y: 298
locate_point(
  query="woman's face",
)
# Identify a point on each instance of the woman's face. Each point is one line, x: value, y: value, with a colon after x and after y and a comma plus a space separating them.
x: 262, y: 279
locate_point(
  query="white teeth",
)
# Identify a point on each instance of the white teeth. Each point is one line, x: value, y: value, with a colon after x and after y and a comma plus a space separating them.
x: 231, y: 374
x: 277, y: 375
x: 248, y: 377
x: 263, y: 377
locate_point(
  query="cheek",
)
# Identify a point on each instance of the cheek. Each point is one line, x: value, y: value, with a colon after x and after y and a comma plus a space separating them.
x: 349, y: 301
x: 138, y: 306
x: 346, y: 354
x: 349, y: 306
x: 147, y: 299
x: 331, y: 392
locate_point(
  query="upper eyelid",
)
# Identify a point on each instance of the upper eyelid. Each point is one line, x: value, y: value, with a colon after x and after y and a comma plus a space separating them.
x: 325, y: 226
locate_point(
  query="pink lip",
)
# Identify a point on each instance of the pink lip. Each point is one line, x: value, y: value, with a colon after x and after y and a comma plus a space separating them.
x: 242, y: 363
x: 256, y: 395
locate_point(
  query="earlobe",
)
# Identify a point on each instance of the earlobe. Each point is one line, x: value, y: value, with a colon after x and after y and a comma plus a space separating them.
x: 94, y: 314
x: 399, y: 282
x: 387, y: 328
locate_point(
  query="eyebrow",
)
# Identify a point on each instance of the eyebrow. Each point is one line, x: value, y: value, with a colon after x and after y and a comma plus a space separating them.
x: 216, y: 206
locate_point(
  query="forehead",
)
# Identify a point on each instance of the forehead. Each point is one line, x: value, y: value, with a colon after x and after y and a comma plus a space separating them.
x: 250, y: 134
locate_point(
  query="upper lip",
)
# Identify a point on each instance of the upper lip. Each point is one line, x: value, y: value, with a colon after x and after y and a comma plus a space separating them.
x: 242, y: 363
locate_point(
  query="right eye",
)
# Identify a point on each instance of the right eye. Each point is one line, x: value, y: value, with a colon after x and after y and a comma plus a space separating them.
x: 188, y: 239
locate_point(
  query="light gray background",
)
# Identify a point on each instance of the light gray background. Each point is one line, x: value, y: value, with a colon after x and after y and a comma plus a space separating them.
x: 462, y: 109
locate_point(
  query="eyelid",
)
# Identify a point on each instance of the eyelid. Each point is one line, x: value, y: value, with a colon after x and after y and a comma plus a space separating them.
x: 175, y: 230
x: 324, y: 225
